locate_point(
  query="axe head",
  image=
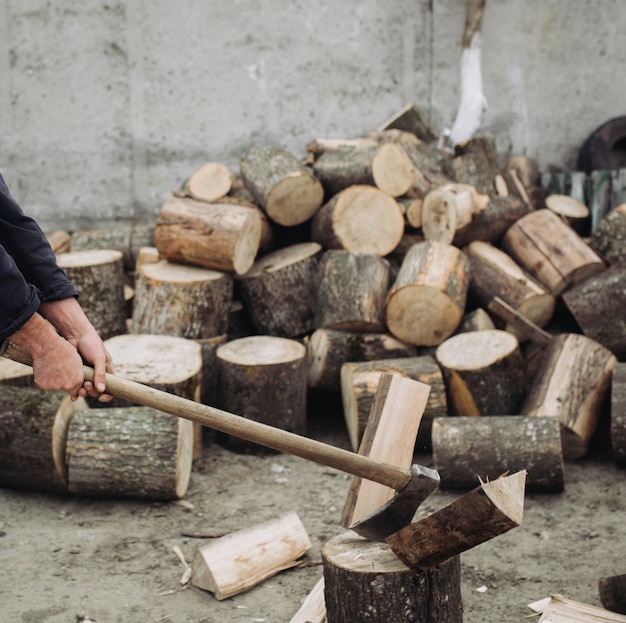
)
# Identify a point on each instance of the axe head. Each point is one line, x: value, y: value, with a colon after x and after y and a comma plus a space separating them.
x: 398, y: 512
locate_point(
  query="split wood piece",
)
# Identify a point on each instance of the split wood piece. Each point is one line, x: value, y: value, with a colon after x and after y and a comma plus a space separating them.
x: 618, y: 413
x: 469, y: 450
x: 559, y: 609
x: 33, y: 432
x: 16, y: 374
x: 495, y: 274
x: 476, y: 163
x: 517, y: 323
x: 238, y: 561
x: 262, y: 378
x: 389, y: 437
x: 284, y: 188
x: 360, y: 382
x: 411, y: 119
x: 426, y: 302
x: 223, y: 237
x: 609, y: 238
x: 476, y: 320
x: 329, y: 349
x: 313, y: 608
x: 598, y: 305
x: 98, y: 276
x: 487, y: 511
x: 211, y: 181
x: 350, y: 291
x: 571, y: 210
x: 361, y: 219
x: 180, y: 300
x: 570, y: 383
x: 509, y: 185
x: 483, y: 373
x: 365, y: 581
x: 278, y: 292
x: 60, y: 241
x: 550, y: 251
x: 171, y: 364
x: 526, y: 169
x: 135, y: 452
x: 147, y: 255
x: 612, y: 592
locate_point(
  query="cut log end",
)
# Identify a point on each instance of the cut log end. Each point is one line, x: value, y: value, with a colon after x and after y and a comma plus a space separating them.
x: 294, y: 200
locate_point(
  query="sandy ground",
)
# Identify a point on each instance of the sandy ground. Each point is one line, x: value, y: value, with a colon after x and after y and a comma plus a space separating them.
x: 68, y: 559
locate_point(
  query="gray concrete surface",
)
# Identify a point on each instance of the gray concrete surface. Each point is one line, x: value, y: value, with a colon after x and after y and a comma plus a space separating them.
x: 107, y: 105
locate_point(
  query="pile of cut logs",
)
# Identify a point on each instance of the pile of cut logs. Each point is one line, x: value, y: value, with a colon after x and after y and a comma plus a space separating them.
x: 383, y: 255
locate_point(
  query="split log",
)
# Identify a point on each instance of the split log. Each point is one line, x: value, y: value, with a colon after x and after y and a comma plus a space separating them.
x: 550, y: 251
x: 33, y: 432
x: 476, y: 163
x: 361, y: 219
x: 263, y: 378
x: 518, y: 323
x: 487, y: 511
x: 483, y: 372
x: 285, y: 189
x: 469, y: 450
x: 618, y: 413
x: 223, y: 237
x: 211, y: 181
x: 182, y: 301
x: 476, y: 320
x: 495, y: 274
x: 60, y: 241
x: 235, y: 563
x: 559, y: 609
x: 609, y: 238
x: 411, y: 119
x: 365, y: 581
x: 278, y: 292
x: 598, y: 305
x: 612, y: 590
x: 431, y: 286
x: 98, y: 276
x: 350, y: 291
x: 313, y: 608
x: 359, y: 385
x: 389, y: 437
x: 135, y: 452
x: 329, y: 349
x: 570, y: 383
x: 572, y: 211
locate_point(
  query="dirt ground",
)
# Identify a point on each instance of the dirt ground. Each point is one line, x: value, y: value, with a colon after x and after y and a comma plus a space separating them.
x: 68, y: 559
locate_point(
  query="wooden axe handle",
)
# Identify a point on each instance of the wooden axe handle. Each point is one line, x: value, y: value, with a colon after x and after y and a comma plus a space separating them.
x: 225, y: 422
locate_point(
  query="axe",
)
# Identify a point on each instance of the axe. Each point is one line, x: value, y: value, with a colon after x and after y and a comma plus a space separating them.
x: 412, y: 486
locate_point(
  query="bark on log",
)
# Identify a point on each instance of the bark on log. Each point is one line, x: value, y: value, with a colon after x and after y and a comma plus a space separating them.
x: 223, y: 237
x: 329, y: 349
x: 210, y: 182
x: 426, y: 302
x: 135, y: 452
x: 411, y: 119
x: 360, y: 381
x: 285, y: 189
x: 550, y: 251
x: 570, y: 383
x: 572, y: 211
x: 466, y: 450
x: 483, y: 372
x: 33, y: 432
x: 361, y: 219
x: 98, y: 276
x: 476, y: 163
x: 350, y: 291
x: 432, y: 167
x: 609, y: 238
x: 263, y: 378
x: 278, y: 292
x: 235, y: 563
x: 598, y: 305
x: 182, y: 301
x: 364, y: 581
x: 612, y: 592
x: 618, y: 413
x: 495, y: 274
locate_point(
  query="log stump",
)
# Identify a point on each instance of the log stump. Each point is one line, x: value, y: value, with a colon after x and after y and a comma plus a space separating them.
x: 550, y: 251
x: 286, y: 190
x: 33, y: 432
x: 609, y: 238
x: 220, y: 236
x: 483, y: 372
x: 263, y: 378
x: 361, y: 219
x: 425, y: 304
x: 350, y: 292
x: 468, y: 450
x: 570, y: 383
x: 134, y: 452
x: 182, y: 301
x: 618, y: 413
x: 612, y: 591
x: 98, y: 276
x: 278, y: 292
x: 105, y: 238
x: 365, y: 581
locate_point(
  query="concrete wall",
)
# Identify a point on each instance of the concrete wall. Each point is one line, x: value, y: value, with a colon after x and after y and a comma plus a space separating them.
x: 107, y: 105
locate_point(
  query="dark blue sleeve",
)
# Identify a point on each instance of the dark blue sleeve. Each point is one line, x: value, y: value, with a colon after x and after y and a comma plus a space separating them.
x: 29, y: 273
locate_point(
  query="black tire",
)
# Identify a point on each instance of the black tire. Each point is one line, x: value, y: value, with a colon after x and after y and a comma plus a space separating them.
x: 605, y: 148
